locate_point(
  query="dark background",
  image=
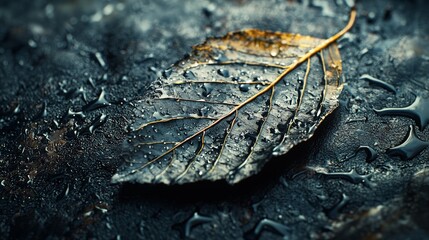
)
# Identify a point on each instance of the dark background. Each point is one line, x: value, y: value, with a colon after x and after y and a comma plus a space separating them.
x: 55, y: 174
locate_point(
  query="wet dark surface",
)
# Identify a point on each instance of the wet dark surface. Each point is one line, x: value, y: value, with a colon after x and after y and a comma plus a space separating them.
x: 61, y: 141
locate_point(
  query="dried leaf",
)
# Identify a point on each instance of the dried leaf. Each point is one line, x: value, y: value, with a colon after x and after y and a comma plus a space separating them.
x: 236, y: 101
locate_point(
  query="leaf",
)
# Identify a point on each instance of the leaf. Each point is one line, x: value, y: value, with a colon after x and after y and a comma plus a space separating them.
x: 235, y: 102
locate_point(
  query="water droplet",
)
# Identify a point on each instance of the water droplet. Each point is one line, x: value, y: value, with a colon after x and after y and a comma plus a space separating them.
x: 244, y: 87
x: 17, y: 109
x: 351, y: 176
x: 32, y: 43
x: 92, y: 82
x: 378, y: 82
x: 100, y: 59
x: 157, y: 115
x: 49, y: 10
x: 371, y: 154
x: 333, y: 212
x: 99, y: 121
x: 371, y: 17
x: 220, y: 58
x: 204, y: 111
x: 167, y: 73
x: 274, y: 52
x: 97, y: 103
x: 410, y: 148
x: 223, y: 72
x: 418, y: 110
x: 108, y: 9
x: 64, y: 193
x: 325, y: 6
x: 186, y: 227
x: 209, y: 10
x: 42, y: 113
x: 71, y: 114
x: 267, y: 224
x: 350, y: 3
x: 208, y: 88
x: 358, y: 119
x: 189, y: 75
x: 75, y: 92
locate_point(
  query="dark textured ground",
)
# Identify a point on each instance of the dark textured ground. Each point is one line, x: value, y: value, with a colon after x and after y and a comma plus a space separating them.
x: 55, y: 174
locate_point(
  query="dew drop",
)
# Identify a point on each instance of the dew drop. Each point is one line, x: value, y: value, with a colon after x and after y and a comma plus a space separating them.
x: 189, y: 75
x: 410, y: 148
x: 418, y: 110
x: 75, y: 92
x: 244, y: 87
x: 333, y: 212
x: 167, y: 73
x: 97, y: 103
x: 100, y: 59
x: 99, y: 121
x: 72, y: 114
x: 204, y: 111
x: 351, y: 176
x: 157, y: 115
x: 186, y: 227
x: 378, y: 82
x: 220, y: 58
x: 371, y: 154
x: 268, y: 224
x: 223, y: 72
x: 43, y: 112
x: 274, y: 52
x: 208, y: 88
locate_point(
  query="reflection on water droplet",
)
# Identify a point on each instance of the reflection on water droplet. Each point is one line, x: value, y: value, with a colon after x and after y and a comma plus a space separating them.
x: 75, y: 92
x: 244, y: 87
x: 204, y: 111
x: 378, y: 82
x: 99, y: 121
x: 267, y: 224
x: 274, y: 52
x: 351, y: 176
x: 418, y: 110
x: 223, y: 72
x: 371, y: 154
x: 167, y: 73
x: 100, y: 59
x: 42, y: 113
x: 71, y: 114
x: 32, y: 43
x: 97, y: 103
x: 157, y: 115
x: 410, y: 148
x: 189, y: 75
x: 220, y: 58
x: 333, y: 212
x: 186, y: 227
x: 17, y: 109
x: 64, y: 193
x: 208, y: 88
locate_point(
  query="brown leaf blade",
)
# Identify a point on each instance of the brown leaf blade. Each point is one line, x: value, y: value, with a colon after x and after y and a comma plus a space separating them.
x: 230, y: 106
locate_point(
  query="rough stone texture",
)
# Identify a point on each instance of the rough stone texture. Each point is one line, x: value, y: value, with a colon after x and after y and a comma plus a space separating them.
x: 55, y: 175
